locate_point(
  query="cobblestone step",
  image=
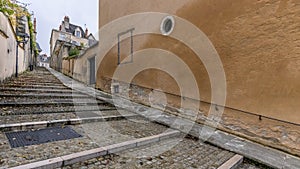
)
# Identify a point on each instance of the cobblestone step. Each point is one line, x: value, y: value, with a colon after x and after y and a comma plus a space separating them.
x: 15, y: 119
x: 51, y: 102
x: 93, y: 115
x: 62, y: 122
x: 17, y: 96
x: 177, y: 152
x: 85, y: 155
x: 111, y: 132
x: 29, y: 110
x: 65, y: 91
x: 33, y: 86
x: 48, y: 99
x: 33, y: 80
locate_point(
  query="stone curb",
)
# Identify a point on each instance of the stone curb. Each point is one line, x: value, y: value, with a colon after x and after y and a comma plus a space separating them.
x: 233, y: 163
x: 44, y: 124
x: 90, y: 154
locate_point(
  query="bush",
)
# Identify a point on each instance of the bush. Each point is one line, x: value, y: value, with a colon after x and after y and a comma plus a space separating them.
x: 74, y: 52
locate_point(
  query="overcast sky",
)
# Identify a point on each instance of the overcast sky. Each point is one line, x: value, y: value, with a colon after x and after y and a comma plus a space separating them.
x: 50, y: 13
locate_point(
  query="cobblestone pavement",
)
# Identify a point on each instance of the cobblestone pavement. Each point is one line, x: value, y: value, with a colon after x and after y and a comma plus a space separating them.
x: 178, y: 153
x: 43, y: 88
x: 39, y: 96
x: 17, y: 156
x: 112, y: 132
x: 173, y: 153
x: 94, y: 135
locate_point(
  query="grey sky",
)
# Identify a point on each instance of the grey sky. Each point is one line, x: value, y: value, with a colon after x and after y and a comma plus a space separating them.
x: 50, y: 13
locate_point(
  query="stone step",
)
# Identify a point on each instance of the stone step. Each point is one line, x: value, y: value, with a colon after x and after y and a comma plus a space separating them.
x: 54, y: 102
x: 70, y: 159
x: 36, y: 80
x: 27, y: 117
x: 75, y: 121
x: 6, y: 89
x: 29, y: 110
x: 44, y: 95
x: 32, y: 86
x: 75, y: 100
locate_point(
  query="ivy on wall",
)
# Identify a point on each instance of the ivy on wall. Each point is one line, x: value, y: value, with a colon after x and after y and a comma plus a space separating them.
x: 12, y: 11
x: 33, y: 44
x: 7, y: 7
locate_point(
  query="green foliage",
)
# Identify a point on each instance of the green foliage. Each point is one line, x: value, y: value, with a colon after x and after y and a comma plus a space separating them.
x: 33, y: 44
x: 12, y: 11
x: 82, y: 45
x: 74, y: 52
x: 7, y: 7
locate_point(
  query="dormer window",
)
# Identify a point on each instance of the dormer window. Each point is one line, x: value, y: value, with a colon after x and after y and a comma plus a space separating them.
x: 78, y: 33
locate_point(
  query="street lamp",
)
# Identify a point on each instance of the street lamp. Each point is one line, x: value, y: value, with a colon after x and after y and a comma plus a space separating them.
x: 24, y: 37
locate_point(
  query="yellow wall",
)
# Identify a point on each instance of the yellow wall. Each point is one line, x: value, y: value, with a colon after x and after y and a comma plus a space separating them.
x: 258, y: 42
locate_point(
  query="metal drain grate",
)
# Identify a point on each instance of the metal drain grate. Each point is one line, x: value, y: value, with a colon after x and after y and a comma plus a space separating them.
x: 28, y: 138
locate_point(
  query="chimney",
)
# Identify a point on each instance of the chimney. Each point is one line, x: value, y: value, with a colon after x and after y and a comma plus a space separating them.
x: 34, y: 25
x: 59, y: 27
x: 86, y: 32
x: 67, y: 22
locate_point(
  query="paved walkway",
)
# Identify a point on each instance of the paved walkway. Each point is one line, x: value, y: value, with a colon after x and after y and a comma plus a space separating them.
x: 15, y: 108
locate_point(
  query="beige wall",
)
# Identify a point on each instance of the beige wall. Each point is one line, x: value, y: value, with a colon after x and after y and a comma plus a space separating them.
x: 8, y: 50
x: 79, y: 67
x: 258, y: 42
x: 60, y: 51
x: 68, y: 37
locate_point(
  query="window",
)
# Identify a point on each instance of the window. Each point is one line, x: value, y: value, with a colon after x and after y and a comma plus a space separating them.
x: 167, y: 25
x: 125, y: 47
x: 78, y: 33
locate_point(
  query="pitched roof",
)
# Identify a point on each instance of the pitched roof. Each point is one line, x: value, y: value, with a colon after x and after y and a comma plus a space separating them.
x: 72, y: 29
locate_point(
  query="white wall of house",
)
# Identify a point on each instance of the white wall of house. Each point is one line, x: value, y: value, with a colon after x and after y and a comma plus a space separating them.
x: 8, y: 50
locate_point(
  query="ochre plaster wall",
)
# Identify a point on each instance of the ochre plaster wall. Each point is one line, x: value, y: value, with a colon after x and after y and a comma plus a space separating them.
x: 258, y: 43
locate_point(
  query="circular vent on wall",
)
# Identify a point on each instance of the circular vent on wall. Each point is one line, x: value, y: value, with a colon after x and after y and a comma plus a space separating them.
x: 167, y: 25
